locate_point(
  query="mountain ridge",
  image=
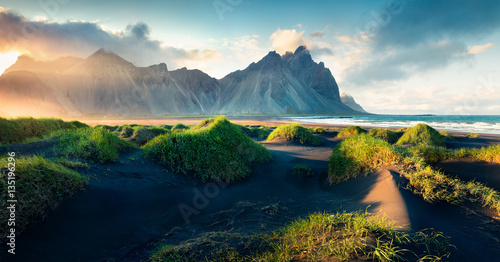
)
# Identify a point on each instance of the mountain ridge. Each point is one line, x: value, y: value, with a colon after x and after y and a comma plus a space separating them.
x: 106, y: 84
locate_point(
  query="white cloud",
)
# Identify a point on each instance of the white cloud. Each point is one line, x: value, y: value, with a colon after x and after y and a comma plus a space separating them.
x: 284, y: 40
x: 477, y: 49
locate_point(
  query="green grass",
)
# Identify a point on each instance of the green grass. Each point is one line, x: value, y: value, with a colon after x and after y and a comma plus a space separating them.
x: 384, y: 134
x: 319, y: 237
x: 219, y: 151
x: 40, y: 187
x: 94, y: 144
x: 260, y: 132
x: 422, y: 134
x: 446, y: 135
x: 351, y: 130
x: 473, y: 135
x: 294, y: 133
x: 318, y: 130
x: 302, y: 171
x: 179, y: 127
x: 359, y: 154
x: 28, y: 129
x: 143, y: 134
x: 362, y: 153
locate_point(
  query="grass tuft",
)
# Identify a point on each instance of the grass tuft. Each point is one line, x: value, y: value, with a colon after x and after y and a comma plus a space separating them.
x: 351, y: 130
x: 473, y: 135
x: 40, y: 187
x: 179, y: 127
x: 422, y: 134
x: 219, y: 151
x: 302, y: 171
x: 95, y: 144
x: 295, y: 133
x: 318, y: 130
x: 384, y: 134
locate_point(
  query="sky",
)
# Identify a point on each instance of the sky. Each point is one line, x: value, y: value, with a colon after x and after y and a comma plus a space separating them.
x: 392, y: 56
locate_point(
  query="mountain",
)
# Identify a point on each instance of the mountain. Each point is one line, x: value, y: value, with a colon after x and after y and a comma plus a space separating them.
x: 106, y: 84
x: 348, y: 100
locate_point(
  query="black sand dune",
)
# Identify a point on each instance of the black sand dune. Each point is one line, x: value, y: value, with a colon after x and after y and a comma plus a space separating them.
x: 131, y: 205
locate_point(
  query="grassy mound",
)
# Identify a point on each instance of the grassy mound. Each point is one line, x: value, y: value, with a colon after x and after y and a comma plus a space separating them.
x: 295, y: 133
x: 40, y: 186
x: 384, y: 134
x: 219, y: 151
x: 26, y: 129
x: 143, y: 134
x: 260, y: 132
x: 179, y: 127
x: 358, y: 154
x: 446, y: 135
x: 473, y: 135
x: 302, y: 170
x: 351, y: 130
x: 95, y: 144
x: 318, y: 130
x: 319, y: 237
x: 422, y: 134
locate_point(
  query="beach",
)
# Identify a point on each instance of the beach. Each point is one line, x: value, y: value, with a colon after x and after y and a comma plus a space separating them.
x: 134, y: 203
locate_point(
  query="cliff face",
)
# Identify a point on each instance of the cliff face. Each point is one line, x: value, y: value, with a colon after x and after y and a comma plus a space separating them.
x: 106, y: 84
x: 349, y: 101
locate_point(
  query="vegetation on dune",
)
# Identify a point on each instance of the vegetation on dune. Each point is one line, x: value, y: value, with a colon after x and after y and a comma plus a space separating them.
x: 351, y: 130
x: 260, y: 132
x: 422, y: 134
x: 218, y: 151
x: 358, y: 154
x: 362, y: 154
x: 28, y: 129
x: 302, y: 170
x: 40, y: 186
x: 143, y: 134
x: 95, y: 144
x: 318, y: 130
x: 294, y: 133
x: 319, y: 237
x: 179, y: 127
x: 446, y: 135
x: 384, y: 134
x: 473, y: 135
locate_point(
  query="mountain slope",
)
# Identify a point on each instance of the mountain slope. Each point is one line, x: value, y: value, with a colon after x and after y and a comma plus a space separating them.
x: 106, y: 84
x: 348, y: 100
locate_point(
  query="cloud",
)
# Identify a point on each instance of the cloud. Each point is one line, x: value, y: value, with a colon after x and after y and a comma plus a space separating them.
x: 46, y: 40
x: 317, y: 34
x: 283, y: 40
x: 477, y: 49
x: 405, y: 38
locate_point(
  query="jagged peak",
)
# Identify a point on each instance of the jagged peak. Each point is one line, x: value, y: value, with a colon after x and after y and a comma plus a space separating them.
x: 301, y: 49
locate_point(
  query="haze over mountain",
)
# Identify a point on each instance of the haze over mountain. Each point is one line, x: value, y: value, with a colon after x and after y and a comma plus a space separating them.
x: 106, y: 84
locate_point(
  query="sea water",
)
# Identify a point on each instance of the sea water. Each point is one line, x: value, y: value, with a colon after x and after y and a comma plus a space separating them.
x: 488, y: 124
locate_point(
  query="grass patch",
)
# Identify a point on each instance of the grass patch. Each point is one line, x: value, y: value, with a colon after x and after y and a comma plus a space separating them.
x: 473, y: 135
x: 28, y: 129
x: 95, y: 144
x: 260, y: 132
x: 363, y: 153
x: 384, y: 134
x: 422, y: 134
x: 446, y: 135
x: 40, y: 187
x: 143, y: 134
x: 318, y: 130
x: 179, y: 127
x: 302, y: 171
x: 319, y: 237
x: 294, y: 133
x: 218, y: 151
x: 359, y: 154
x: 351, y: 130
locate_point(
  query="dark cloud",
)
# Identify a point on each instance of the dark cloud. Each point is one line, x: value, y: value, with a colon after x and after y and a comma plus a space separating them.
x: 317, y: 34
x: 80, y: 38
x: 410, y: 37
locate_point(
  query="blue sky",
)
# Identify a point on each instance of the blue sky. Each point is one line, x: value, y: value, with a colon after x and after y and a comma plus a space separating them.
x: 396, y: 56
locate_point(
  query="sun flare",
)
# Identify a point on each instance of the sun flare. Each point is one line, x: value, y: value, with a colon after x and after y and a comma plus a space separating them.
x: 7, y: 59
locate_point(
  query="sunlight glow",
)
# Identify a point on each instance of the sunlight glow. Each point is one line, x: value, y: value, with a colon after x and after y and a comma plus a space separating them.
x: 7, y: 59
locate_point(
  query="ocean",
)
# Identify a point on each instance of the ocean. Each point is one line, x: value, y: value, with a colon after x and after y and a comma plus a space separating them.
x: 487, y: 124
